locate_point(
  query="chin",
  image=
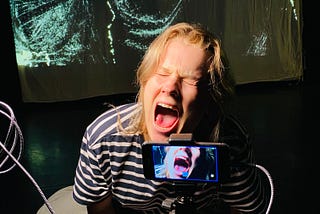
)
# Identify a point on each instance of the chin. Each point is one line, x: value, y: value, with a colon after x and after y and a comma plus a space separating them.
x: 159, y: 136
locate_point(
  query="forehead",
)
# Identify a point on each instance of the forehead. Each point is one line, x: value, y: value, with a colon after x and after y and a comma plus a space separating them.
x: 180, y: 54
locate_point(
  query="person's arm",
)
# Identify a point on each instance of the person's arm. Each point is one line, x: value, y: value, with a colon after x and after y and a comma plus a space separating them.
x: 245, y: 191
x: 102, y: 207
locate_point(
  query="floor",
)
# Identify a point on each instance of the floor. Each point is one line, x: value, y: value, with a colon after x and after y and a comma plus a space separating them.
x: 281, y: 118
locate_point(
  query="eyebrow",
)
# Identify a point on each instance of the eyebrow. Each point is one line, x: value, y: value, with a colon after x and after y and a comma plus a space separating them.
x: 183, y: 73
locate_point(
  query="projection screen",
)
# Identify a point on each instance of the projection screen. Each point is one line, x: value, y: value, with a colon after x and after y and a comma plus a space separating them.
x: 71, y: 50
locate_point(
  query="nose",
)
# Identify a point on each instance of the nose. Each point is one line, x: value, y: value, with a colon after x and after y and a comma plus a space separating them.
x: 188, y: 151
x: 171, y: 86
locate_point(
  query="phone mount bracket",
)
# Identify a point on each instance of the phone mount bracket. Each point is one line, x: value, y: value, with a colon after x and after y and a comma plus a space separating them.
x: 183, y: 203
x: 186, y: 138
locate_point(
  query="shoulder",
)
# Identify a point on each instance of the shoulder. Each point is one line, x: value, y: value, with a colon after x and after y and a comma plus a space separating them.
x: 232, y: 128
x: 106, y: 124
x: 235, y: 134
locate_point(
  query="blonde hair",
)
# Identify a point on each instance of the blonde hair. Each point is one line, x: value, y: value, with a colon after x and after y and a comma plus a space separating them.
x: 194, y: 34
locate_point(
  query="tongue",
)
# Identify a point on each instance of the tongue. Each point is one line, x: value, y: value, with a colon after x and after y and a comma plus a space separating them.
x: 165, y: 120
x: 181, y: 171
x: 180, y: 168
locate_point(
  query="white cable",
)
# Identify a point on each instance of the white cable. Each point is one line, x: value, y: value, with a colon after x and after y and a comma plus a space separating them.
x: 265, y: 171
x: 13, y: 127
x: 271, y: 185
x: 18, y: 135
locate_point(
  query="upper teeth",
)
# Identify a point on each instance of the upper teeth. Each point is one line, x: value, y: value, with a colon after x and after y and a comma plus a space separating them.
x: 165, y: 105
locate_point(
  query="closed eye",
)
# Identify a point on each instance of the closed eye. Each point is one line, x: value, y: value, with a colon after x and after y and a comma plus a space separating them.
x: 194, y: 82
x: 186, y: 78
x: 162, y: 73
x: 190, y: 82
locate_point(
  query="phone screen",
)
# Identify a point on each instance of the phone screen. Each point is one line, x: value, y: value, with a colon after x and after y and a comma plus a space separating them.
x: 187, y: 163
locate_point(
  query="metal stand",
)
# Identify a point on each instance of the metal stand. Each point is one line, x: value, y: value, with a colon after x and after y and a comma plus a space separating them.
x: 184, y: 201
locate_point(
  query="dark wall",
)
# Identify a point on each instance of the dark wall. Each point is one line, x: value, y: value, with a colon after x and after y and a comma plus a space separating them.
x: 9, y: 80
x: 310, y: 41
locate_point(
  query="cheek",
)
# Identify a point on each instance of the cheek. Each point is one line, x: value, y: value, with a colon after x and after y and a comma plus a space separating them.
x: 195, y: 153
x: 189, y: 96
x: 150, y: 87
x: 149, y: 92
x: 169, y: 156
x: 194, y: 99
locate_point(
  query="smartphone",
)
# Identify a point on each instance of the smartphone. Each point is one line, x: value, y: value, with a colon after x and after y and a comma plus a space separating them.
x: 185, y: 161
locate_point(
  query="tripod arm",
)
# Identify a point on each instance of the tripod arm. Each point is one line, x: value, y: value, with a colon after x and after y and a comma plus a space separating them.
x: 184, y: 200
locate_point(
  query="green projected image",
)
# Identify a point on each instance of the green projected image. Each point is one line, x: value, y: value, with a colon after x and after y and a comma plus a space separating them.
x: 75, y: 49
x: 63, y: 32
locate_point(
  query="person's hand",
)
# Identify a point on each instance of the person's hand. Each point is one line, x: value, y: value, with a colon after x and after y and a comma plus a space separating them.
x: 102, y: 207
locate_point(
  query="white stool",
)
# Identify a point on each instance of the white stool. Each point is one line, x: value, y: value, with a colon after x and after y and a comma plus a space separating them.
x: 62, y: 202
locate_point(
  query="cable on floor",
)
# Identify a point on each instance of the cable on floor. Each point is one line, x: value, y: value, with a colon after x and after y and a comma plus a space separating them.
x: 15, y: 138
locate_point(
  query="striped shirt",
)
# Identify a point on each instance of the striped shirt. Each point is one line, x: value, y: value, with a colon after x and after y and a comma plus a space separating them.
x: 110, y: 162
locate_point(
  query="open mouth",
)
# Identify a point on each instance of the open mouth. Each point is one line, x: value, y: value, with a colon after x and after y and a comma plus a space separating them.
x: 182, y: 166
x: 166, y: 116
